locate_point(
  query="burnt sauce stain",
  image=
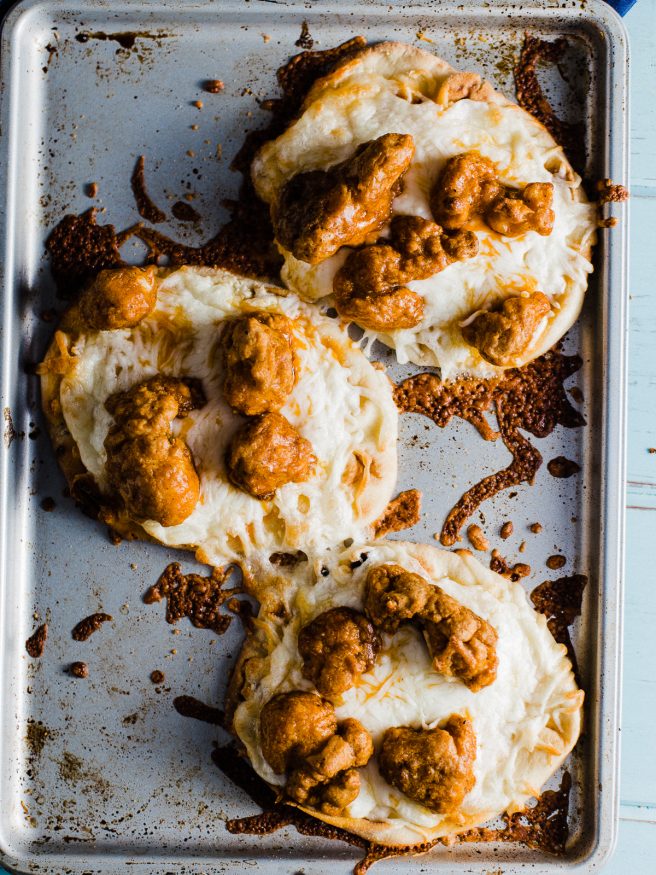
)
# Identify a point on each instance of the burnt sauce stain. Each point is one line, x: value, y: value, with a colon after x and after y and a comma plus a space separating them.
x: 79, y: 248
x: 560, y: 602
x: 36, y: 643
x: 189, y: 706
x: 79, y: 670
x: 126, y: 39
x: 531, y: 398
x: 194, y: 596
x: 184, y: 212
x: 304, y: 41
x: 38, y: 734
x: 542, y: 826
x: 86, y: 627
x: 561, y: 467
x: 10, y: 433
x: 402, y: 512
x: 531, y: 97
x: 146, y: 208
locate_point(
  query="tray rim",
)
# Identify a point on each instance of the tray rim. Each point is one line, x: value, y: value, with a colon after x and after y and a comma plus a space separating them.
x: 613, y: 480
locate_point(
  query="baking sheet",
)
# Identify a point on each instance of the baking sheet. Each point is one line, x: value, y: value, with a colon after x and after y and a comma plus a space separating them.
x: 100, y: 773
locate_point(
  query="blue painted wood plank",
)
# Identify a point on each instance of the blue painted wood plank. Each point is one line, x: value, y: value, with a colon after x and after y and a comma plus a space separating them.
x: 642, y: 354
x: 636, y: 849
x: 641, y: 24
x: 638, y: 785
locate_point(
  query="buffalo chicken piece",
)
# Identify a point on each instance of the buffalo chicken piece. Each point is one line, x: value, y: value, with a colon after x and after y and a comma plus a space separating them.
x: 119, y: 298
x: 461, y: 643
x: 502, y: 336
x: 266, y: 453
x: 151, y: 470
x: 337, y: 647
x: 320, y: 211
x: 434, y: 767
x: 468, y: 188
x: 258, y: 363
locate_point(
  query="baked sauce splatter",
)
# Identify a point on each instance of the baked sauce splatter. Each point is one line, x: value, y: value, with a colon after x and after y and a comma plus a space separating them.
x: 79, y: 670
x: 125, y: 39
x: 213, y: 86
x: 401, y: 513
x: 184, y: 212
x: 531, y: 398
x: 85, y: 628
x: 194, y: 596
x: 304, y: 41
x: 542, y: 826
x: 146, y: 208
x: 275, y: 814
x: 36, y: 643
x: 188, y: 706
x: 79, y: 247
x: 560, y: 602
x: 531, y: 97
x: 562, y: 468
x: 611, y: 192
x: 506, y: 530
x: 512, y: 572
x: 555, y: 562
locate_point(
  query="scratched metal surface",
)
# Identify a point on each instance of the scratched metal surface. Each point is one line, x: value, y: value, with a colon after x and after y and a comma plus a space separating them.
x: 121, y: 777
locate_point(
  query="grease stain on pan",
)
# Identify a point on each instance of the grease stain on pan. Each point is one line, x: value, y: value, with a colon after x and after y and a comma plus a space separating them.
x: 126, y: 39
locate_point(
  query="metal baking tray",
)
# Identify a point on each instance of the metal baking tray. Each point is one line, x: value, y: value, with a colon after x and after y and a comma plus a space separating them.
x: 100, y: 773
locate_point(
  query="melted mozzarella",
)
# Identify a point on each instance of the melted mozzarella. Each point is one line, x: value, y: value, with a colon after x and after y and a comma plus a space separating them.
x: 365, y: 106
x: 340, y: 403
x: 525, y: 722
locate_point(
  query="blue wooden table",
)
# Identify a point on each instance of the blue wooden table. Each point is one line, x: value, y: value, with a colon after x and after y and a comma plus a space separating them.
x: 636, y: 849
